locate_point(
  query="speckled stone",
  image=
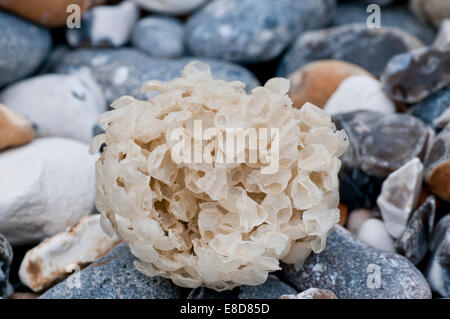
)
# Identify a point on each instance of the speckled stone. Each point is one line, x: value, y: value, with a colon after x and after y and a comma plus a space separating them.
x: 159, y: 36
x: 431, y: 110
x: 411, y: 77
x: 253, y: 30
x: 437, y: 165
x: 349, y: 43
x: 349, y: 268
x: 415, y: 241
x: 24, y: 46
x: 123, y: 71
x: 6, y: 255
x: 438, y: 271
x: 113, y: 277
x: 381, y: 143
x: 396, y: 15
x: 273, y: 288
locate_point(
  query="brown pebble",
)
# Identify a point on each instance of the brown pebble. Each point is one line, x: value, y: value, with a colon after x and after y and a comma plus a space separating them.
x: 317, y: 81
x: 343, y: 209
x: 14, y: 128
x: 23, y: 295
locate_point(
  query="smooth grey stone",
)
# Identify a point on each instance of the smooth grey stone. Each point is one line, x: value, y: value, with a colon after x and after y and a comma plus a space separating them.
x: 252, y: 31
x: 438, y: 271
x: 431, y: 108
x: 24, y: 46
x: 391, y: 16
x: 114, y: 276
x: 352, y: 269
x: 381, y: 143
x: 123, y: 71
x: 411, y: 77
x: 273, y: 288
x: 349, y: 43
x: 159, y: 36
x: 6, y: 256
x: 415, y: 241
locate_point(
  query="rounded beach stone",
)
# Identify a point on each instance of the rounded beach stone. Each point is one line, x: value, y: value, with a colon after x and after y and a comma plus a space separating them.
x: 373, y: 232
x: 253, y: 31
x: 433, y: 11
x: 46, y: 186
x: 317, y: 81
x: 24, y: 46
x: 58, y: 104
x: 14, y: 128
x: 349, y: 43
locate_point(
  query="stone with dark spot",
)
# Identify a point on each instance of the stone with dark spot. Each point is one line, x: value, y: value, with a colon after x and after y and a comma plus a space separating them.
x: 411, y: 77
x: 381, y: 143
x: 438, y: 271
x: 252, y: 31
x: 349, y: 43
x: 415, y: 241
x: 352, y: 269
x: 113, y: 276
x: 24, y: 46
x: 123, y: 71
x: 6, y: 256
x: 273, y: 288
x: 433, y: 107
x: 437, y: 165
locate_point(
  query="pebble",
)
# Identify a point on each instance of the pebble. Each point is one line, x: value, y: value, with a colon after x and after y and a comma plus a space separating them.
x: 105, y: 26
x: 175, y: 7
x: 317, y: 81
x: 14, y: 128
x: 252, y: 31
x: 58, y: 104
x: 23, y: 295
x: 443, y: 37
x: 396, y: 15
x: 6, y: 256
x: 411, y: 77
x: 359, y: 93
x: 356, y: 219
x: 399, y: 196
x: 437, y: 165
x: 49, y: 13
x: 435, y: 109
x: 159, y: 36
x: 381, y: 143
x: 349, y: 43
x: 438, y: 271
x: 273, y: 288
x: 373, y: 232
x: 24, y: 47
x: 343, y: 212
x: 46, y: 186
x: 312, y: 293
x: 357, y: 189
x: 415, y: 241
x: 123, y: 71
x: 433, y: 11
x: 58, y: 256
x: 354, y: 270
x: 113, y: 276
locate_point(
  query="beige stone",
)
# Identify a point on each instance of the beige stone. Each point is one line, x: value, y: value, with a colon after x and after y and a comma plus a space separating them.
x: 312, y: 293
x: 434, y: 11
x: 14, y: 128
x: 68, y: 251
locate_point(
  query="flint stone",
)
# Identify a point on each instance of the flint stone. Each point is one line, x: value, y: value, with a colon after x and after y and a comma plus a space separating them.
x: 24, y: 46
x: 437, y: 165
x: 381, y: 143
x: 415, y: 241
x: 114, y: 276
x: 123, y: 71
x: 273, y: 288
x: 435, y: 109
x: 349, y: 43
x: 357, y: 189
x: 438, y: 271
x: 349, y: 268
x: 250, y: 31
x: 6, y: 256
x: 411, y: 77
x: 399, y: 195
